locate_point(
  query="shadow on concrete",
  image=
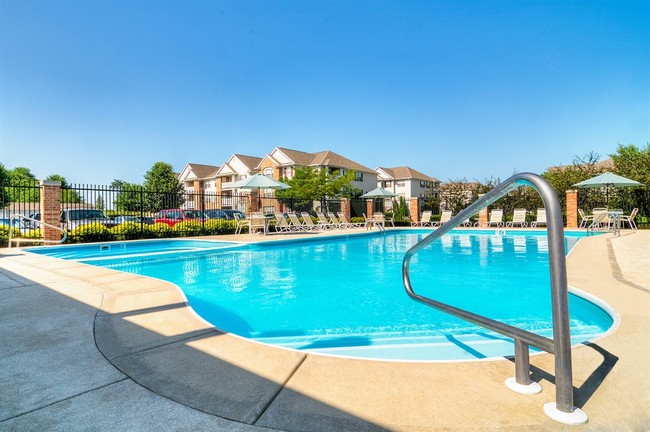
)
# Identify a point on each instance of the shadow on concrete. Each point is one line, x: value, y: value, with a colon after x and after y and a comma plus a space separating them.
x: 206, y: 369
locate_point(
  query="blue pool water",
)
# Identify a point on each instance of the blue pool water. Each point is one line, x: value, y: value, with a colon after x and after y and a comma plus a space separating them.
x: 344, y: 296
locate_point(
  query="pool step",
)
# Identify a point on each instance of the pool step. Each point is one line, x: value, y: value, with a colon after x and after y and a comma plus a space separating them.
x: 470, y: 346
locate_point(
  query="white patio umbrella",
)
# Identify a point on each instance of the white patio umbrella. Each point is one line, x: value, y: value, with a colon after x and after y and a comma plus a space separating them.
x: 606, y: 180
x: 259, y: 181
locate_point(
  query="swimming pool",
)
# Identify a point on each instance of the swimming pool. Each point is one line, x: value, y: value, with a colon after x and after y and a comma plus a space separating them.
x: 344, y: 295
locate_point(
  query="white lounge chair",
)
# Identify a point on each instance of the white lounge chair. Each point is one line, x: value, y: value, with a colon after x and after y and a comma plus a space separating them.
x: 295, y: 223
x: 335, y: 222
x: 425, y: 219
x: 257, y: 223
x: 323, y: 223
x: 308, y: 222
x: 540, y: 219
x: 345, y: 222
x: 444, y: 218
x: 281, y: 223
x: 518, y: 218
x: 496, y: 218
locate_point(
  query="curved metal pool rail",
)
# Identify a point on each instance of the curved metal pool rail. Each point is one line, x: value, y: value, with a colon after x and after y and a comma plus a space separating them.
x: 39, y: 223
x: 560, y: 345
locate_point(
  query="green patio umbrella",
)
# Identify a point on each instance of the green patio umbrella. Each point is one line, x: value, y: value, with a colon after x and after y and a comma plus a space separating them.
x: 379, y: 193
x: 259, y: 181
x: 605, y: 180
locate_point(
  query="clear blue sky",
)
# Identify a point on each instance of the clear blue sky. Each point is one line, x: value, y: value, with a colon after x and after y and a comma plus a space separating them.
x: 101, y: 90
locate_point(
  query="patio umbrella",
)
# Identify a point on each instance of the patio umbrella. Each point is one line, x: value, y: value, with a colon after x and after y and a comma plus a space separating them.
x: 259, y: 181
x: 606, y: 180
x: 379, y: 193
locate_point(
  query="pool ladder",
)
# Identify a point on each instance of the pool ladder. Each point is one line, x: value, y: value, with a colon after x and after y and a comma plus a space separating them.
x: 562, y: 409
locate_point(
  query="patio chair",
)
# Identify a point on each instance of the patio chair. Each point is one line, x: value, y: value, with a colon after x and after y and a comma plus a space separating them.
x: 496, y: 218
x: 323, y: 222
x: 444, y: 218
x: 630, y: 219
x: 345, y: 222
x: 335, y: 222
x: 281, y: 223
x: 468, y: 223
x: 425, y: 219
x: 379, y: 220
x: 540, y: 219
x: 295, y: 223
x: 257, y: 223
x: 600, y: 221
x: 585, y: 219
x: 518, y: 218
x: 240, y: 223
x: 307, y: 222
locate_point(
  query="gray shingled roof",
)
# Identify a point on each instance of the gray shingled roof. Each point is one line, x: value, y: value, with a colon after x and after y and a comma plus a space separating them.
x: 251, y: 162
x: 407, y: 173
x: 323, y: 158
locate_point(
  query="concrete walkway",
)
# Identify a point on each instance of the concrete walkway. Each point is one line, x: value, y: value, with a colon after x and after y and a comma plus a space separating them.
x: 87, y: 348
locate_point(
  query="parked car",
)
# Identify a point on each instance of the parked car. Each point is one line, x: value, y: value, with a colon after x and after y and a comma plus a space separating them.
x: 173, y: 216
x: 73, y: 218
x: 226, y: 214
x: 135, y: 219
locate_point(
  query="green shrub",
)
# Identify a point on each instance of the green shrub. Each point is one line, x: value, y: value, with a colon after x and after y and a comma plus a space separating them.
x: 126, y: 231
x: 219, y: 226
x: 357, y: 219
x: 158, y: 230
x: 88, y: 233
x: 188, y: 228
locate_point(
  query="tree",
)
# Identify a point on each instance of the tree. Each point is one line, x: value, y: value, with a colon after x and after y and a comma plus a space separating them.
x: 68, y: 195
x: 99, y: 203
x: 162, y: 188
x: 562, y: 178
x: 130, y: 196
x: 309, y: 184
x: 4, y: 191
x: 634, y: 163
x: 28, y: 190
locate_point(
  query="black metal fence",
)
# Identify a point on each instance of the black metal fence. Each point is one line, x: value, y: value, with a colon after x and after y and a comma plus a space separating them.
x: 137, y: 213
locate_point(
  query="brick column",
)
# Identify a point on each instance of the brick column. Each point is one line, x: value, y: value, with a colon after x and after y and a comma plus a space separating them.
x: 369, y: 208
x: 414, y: 209
x: 345, y: 207
x: 254, y: 201
x: 572, y: 208
x: 50, y: 209
x: 483, y: 215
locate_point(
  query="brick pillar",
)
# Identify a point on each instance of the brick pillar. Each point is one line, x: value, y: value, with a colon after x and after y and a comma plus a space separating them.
x: 572, y: 208
x: 196, y: 197
x: 345, y: 207
x: 254, y: 204
x: 369, y: 208
x: 50, y: 209
x: 414, y: 209
x: 483, y: 215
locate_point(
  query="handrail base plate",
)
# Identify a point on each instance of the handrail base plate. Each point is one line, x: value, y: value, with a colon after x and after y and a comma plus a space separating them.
x: 577, y: 417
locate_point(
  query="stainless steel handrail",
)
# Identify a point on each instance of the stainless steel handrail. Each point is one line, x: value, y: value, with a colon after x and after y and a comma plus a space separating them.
x: 560, y: 345
x: 17, y: 216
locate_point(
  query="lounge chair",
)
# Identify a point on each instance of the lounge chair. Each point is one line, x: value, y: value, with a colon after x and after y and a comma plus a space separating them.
x: 281, y: 223
x: 468, y: 223
x: 335, y: 222
x: 425, y: 220
x: 240, y: 223
x: 496, y: 218
x: 307, y: 222
x: 295, y: 223
x: 629, y: 219
x: 518, y: 218
x: 323, y: 223
x: 345, y: 222
x: 540, y: 219
x: 585, y: 219
x: 444, y: 218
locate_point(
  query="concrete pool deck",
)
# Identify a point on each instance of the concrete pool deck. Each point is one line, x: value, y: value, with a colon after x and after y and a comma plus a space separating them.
x: 83, y: 347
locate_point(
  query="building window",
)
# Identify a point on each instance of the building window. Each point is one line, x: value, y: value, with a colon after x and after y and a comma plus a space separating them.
x: 401, y: 184
x: 359, y: 177
x: 268, y: 172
